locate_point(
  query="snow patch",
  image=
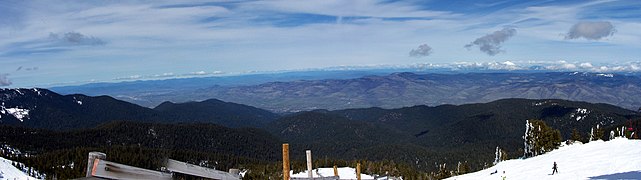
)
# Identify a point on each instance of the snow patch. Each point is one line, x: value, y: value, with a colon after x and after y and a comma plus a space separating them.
x: 540, y: 103
x: 615, y: 159
x: 343, y: 173
x: 77, y: 101
x: 8, y: 171
x: 580, y: 114
x: 20, y: 114
x: 605, y: 75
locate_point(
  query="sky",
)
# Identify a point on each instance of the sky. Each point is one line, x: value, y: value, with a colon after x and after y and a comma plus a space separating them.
x: 52, y: 43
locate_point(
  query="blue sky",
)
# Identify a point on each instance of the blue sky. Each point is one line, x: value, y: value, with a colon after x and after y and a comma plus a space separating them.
x: 47, y: 43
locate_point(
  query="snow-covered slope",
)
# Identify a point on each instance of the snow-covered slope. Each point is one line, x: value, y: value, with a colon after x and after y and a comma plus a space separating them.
x: 616, y: 159
x: 343, y: 173
x: 9, y: 172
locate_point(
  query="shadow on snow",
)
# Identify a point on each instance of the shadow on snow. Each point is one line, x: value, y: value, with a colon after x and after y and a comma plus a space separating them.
x: 623, y: 175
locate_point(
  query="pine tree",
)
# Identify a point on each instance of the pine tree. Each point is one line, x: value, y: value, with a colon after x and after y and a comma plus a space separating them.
x: 540, y: 138
x: 500, y: 155
x: 504, y: 155
x: 576, y: 136
x: 596, y: 134
x: 528, y: 140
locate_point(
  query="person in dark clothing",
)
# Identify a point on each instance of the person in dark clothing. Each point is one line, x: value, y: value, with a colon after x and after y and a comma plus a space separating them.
x: 554, y: 169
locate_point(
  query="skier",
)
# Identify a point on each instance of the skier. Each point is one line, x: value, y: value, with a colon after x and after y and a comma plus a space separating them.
x: 504, y: 176
x: 554, y: 169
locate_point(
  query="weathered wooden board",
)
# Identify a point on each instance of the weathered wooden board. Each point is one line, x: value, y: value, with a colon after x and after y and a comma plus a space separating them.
x: 190, y: 169
x: 112, y: 170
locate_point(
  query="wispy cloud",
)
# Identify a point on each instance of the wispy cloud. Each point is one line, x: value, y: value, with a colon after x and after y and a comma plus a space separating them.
x: 27, y: 68
x: 75, y: 39
x: 102, y: 40
x: 491, y: 43
x: 169, y: 75
x: 422, y: 51
x: 591, y: 30
x: 4, y: 80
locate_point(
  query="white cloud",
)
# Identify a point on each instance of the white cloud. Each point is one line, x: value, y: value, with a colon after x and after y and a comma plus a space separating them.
x: 491, y: 43
x: 591, y: 30
x: 75, y: 38
x: 422, y: 51
x: 340, y: 8
x: 4, y: 80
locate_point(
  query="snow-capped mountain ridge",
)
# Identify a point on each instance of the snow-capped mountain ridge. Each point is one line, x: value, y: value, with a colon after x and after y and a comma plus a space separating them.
x: 41, y: 108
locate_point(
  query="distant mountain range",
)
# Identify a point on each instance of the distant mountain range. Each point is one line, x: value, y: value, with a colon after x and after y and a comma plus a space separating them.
x: 302, y: 91
x: 41, y: 108
x: 419, y: 135
x: 408, y: 89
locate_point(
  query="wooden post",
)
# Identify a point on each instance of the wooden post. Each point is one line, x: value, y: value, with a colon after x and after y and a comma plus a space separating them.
x: 309, y: 164
x: 358, y: 171
x: 285, y: 161
x: 335, y: 171
x: 235, y: 172
x: 90, y: 162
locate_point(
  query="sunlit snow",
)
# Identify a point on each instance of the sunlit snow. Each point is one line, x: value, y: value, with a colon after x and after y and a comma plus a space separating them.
x: 20, y: 114
x: 9, y: 172
x: 616, y: 159
x: 343, y: 173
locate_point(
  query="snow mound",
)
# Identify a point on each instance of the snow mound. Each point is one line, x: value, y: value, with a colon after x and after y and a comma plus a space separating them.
x: 343, y: 173
x: 616, y: 159
x: 9, y: 172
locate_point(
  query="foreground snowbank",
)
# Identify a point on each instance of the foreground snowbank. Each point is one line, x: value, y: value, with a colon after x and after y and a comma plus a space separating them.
x: 8, y: 171
x: 343, y: 173
x: 615, y: 159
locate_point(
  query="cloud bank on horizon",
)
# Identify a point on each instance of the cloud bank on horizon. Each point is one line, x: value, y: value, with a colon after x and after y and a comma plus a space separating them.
x: 80, y: 41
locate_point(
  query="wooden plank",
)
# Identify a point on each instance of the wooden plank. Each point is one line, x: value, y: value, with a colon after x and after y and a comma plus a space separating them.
x: 112, y: 170
x: 190, y: 169
x: 358, y: 171
x: 285, y: 161
x: 309, y: 163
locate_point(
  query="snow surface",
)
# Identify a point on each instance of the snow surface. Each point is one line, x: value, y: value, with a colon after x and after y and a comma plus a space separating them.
x: 19, y: 113
x: 9, y: 172
x: 606, y: 75
x: 580, y: 113
x: 343, y: 173
x: 616, y: 159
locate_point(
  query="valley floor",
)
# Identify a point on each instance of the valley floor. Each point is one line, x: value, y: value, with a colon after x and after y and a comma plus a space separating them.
x: 616, y: 159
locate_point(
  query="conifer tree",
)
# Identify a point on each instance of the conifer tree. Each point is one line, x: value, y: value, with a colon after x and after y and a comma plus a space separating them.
x: 576, y: 136
x: 540, y: 138
x: 596, y: 133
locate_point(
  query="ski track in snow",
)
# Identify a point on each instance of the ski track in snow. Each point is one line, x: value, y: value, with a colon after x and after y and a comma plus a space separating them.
x: 616, y: 159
